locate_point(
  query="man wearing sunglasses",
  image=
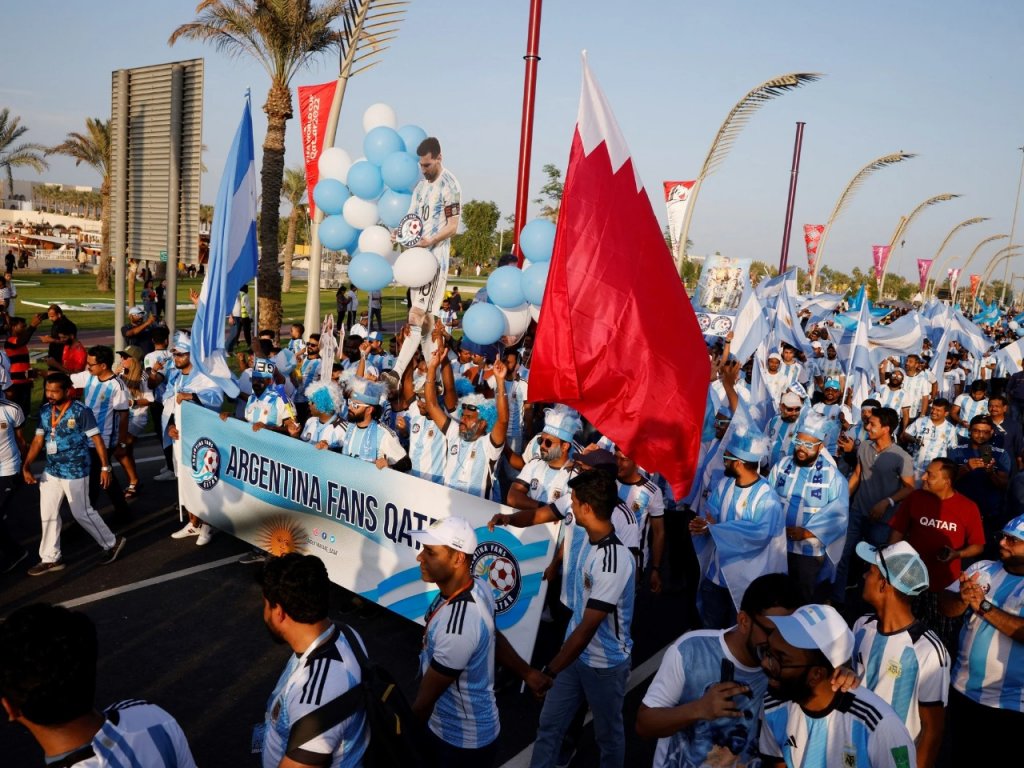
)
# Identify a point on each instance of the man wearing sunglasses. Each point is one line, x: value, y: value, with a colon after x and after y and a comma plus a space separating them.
x: 783, y: 425
x: 988, y: 675
x: 366, y: 437
x: 306, y: 371
x: 545, y: 478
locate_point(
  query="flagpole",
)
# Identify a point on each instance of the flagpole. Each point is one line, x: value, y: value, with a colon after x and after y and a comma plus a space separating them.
x: 1013, y: 224
x: 526, y: 129
x: 794, y: 172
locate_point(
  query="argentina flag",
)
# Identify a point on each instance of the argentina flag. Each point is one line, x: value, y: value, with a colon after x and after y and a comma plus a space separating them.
x: 233, y: 256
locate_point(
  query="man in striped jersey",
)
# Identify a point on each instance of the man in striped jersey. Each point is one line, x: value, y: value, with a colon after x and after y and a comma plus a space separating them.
x: 988, y: 676
x: 48, y: 684
x: 366, y: 437
x: 806, y: 722
x: 325, y: 429
x: 266, y: 407
x: 305, y: 373
x: 644, y: 499
x: 310, y: 720
x: 830, y: 408
x: 783, y: 426
x: 933, y: 437
x: 968, y: 405
x: 895, y: 654
x: 894, y: 396
x: 919, y: 385
x: 594, y: 660
x: 105, y: 394
x: 428, y: 446
x: 545, y: 478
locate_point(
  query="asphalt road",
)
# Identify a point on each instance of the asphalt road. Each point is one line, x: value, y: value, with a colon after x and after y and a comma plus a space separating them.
x: 181, y: 626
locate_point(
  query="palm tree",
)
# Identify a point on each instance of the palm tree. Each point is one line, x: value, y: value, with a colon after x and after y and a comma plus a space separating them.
x: 293, y: 190
x: 93, y: 149
x: 21, y: 155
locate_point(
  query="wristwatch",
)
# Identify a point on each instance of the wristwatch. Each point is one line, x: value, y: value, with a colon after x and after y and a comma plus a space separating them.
x: 985, y: 607
x: 104, y: 469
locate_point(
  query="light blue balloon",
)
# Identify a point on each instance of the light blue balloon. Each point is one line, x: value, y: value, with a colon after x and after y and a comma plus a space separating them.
x: 381, y: 142
x: 537, y: 238
x: 400, y: 171
x: 336, y: 234
x: 505, y: 287
x: 535, y: 277
x: 392, y: 207
x: 370, y: 272
x: 483, y: 323
x: 364, y: 180
x: 412, y: 135
x: 330, y: 196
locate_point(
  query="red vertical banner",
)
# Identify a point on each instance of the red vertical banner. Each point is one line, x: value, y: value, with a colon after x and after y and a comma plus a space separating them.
x: 975, y: 282
x: 812, y: 236
x: 923, y: 267
x: 314, y: 111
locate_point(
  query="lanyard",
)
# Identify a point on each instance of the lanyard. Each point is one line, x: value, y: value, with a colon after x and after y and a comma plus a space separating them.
x: 60, y: 415
x: 433, y: 613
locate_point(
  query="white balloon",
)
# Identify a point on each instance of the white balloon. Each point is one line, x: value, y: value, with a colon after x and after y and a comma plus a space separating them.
x: 375, y: 239
x: 517, y: 320
x: 360, y: 213
x: 334, y: 163
x: 377, y: 115
x: 391, y: 256
x: 415, y: 267
x: 535, y: 312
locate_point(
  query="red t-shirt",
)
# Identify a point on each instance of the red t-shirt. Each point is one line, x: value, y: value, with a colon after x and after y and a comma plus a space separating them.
x: 929, y: 524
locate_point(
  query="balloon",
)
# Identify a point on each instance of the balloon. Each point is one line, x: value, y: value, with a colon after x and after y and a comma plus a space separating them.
x: 330, y: 195
x: 375, y: 239
x: 535, y: 277
x: 369, y: 272
x: 360, y: 213
x: 483, y: 323
x: 415, y: 267
x: 505, y: 286
x: 336, y: 234
x: 391, y: 256
x: 517, y: 320
x: 535, y: 313
x: 364, y: 180
x: 400, y: 171
x: 393, y: 206
x: 412, y: 135
x: 334, y: 163
x: 382, y: 142
x: 537, y: 239
x: 378, y: 114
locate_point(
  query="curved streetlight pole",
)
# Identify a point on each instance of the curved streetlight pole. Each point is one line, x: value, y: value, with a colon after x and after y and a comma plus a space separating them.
x: 1013, y: 224
x: 936, y: 266
x: 978, y: 247
x: 904, y: 225
x: 1004, y: 254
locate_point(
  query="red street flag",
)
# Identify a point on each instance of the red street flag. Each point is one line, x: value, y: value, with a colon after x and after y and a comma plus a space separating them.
x: 314, y: 109
x: 975, y: 282
x: 617, y: 338
x: 923, y: 267
x: 880, y: 255
x: 812, y: 236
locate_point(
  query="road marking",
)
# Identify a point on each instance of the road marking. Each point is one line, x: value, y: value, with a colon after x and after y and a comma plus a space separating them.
x: 637, y: 676
x: 97, y: 596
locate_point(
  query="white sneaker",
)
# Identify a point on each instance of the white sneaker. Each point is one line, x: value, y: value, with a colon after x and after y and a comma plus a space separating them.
x: 166, y: 476
x: 184, y: 533
x: 205, y: 534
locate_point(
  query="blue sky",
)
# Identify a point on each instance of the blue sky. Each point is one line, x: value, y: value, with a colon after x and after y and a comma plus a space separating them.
x: 940, y: 79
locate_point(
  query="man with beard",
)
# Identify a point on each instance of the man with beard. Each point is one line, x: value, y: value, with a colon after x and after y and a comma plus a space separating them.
x: 305, y: 373
x: 829, y: 367
x: 741, y: 534
x: 322, y: 667
x: 546, y: 478
x: 791, y: 367
x: 933, y: 437
x: 775, y: 379
x: 968, y: 405
x: 782, y: 427
x: 897, y: 656
x: 266, y: 407
x: 893, y: 396
x: 830, y: 408
x: 1008, y: 435
x: 806, y: 722
x: 325, y: 428
x: 366, y: 437
x: 919, y: 384
x: 817, y: 502
x: 988, y: 676
x: 983, y: 476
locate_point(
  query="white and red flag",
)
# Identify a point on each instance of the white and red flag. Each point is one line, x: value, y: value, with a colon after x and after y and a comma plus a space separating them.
x: 314, y: 110
x: 923, y: 267
x: 677, y: 198
x: 618, y: 339
x: 812, y: 236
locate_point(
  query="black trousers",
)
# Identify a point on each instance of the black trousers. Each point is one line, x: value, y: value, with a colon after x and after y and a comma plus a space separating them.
x: 9, y: 548
x: 968, y: 721
x: 114, y: 491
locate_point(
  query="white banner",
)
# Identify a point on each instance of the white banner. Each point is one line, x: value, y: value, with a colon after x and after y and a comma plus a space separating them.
x: 284, y: 495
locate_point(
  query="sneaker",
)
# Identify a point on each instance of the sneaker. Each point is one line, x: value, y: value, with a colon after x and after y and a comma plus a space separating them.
x: 42, y: 568
x: 254, y: 557
x: 12, y: 564
x: 166, y: 476
x: 391, y: 378
x: 205, y: 534
x: 113, y: 553
x: 188, y: 530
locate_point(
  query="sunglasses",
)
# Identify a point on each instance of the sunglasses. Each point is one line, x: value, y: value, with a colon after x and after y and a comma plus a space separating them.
x: 548, y: 443
x: 805, y: 443
x: 1010, y: 538
x: 772, y: 664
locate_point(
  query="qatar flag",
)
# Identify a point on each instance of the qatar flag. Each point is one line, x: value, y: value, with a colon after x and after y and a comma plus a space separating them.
x: 617, y: 338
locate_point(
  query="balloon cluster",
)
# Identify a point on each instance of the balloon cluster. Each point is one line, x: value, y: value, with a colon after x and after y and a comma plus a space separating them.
x: 357, y: 197
x: 513, y: 296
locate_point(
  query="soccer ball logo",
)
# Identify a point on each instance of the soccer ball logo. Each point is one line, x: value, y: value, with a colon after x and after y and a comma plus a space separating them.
x: 205, y: 463
x: 495, y: 563
x: 502, y: 575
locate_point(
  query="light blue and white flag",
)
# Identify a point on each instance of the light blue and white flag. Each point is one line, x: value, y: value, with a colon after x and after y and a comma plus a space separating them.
x: 767, y: 290
x: 821, y: 306
x: 750, y: 327
x: 234, y: 256
x: 1010, y: 356
x: 787, y: 326
x: 901, y: 337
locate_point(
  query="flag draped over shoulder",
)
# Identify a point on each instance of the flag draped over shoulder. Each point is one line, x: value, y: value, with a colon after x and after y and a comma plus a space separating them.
x: 233, y: 256
x: 618, y: 339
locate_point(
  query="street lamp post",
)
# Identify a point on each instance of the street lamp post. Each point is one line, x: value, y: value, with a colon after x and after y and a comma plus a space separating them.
x: 1013, y: 224
x: 904, y: 225
x: 936, y: 265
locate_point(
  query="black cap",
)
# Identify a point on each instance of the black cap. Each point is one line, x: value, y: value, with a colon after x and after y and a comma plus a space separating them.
x: 599, y: 459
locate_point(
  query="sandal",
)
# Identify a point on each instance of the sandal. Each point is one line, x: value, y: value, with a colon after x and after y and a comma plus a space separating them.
x: 132, y: 490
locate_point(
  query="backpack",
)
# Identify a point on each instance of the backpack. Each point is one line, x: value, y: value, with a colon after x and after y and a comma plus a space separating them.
x: 396, y: 735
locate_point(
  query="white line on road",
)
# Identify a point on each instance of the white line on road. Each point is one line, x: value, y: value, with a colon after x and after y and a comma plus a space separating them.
x: 637, y: 676
x: 96, y: 596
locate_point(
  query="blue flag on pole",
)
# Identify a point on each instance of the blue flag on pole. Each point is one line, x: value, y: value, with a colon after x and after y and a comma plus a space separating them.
x: 234, y: 255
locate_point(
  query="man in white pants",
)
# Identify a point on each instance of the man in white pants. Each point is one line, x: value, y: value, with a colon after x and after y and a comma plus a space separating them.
x: 66, y: 429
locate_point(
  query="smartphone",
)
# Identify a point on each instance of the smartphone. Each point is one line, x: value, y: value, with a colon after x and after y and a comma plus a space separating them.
x: 728, y: 671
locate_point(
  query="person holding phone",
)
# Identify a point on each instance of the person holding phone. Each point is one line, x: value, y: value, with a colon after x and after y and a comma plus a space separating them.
x: 983, y: 475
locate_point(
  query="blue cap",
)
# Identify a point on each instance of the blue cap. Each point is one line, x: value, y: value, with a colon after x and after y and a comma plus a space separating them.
x: 750, y: 446
x: 813, y: 424
x: 263, y: 368
x: 1015, y: 527
x: 375, y: 336
x: 831, y: 384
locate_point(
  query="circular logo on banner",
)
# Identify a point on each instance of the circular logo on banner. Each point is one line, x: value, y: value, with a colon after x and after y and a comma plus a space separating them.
x: 205, y: 463
x: 410, y: 230
x: 704, y: 321
x: 496, y: 564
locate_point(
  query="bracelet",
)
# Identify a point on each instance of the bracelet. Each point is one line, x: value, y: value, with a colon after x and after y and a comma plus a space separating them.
x: 104, y: 469
x: 549, y: 672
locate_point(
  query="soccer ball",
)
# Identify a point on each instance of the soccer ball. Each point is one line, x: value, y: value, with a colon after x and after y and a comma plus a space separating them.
x: 502, y: 575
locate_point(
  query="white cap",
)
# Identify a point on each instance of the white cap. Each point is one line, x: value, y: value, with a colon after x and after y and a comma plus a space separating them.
x: 791, y: 400
x: 454, y: 532
x: 818, y: 626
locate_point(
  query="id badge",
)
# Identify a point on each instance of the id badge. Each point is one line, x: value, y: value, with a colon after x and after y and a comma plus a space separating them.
x: 51, y: 448
x: 258, y: 732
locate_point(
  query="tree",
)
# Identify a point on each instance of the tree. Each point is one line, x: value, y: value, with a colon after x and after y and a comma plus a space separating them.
x: 283, y: 36
x: 477, y: 244
x: 293, y: 190
x: 550, y: 199
x: 26, y: 155
x: 93, y: 149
